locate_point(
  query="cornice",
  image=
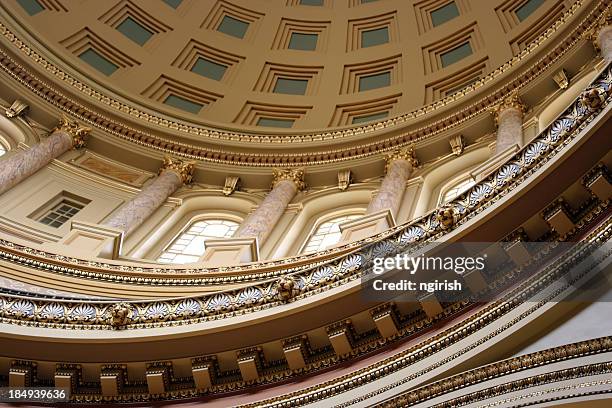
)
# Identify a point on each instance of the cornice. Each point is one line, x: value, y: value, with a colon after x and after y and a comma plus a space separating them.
x: 343, y: 261
x: 383, y: 144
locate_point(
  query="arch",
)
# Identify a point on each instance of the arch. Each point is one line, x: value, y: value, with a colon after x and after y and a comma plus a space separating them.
x: 455, y: 187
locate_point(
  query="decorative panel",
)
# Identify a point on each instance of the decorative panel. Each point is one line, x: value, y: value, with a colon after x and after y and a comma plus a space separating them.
x: 254, y: 113
x: 85, y: 39
x: 359, y: 29
x: 196, y: 51
x: 375, y: 109
x: 299, y: 35
x: 354, y: 73
x: 457, y: 81
x: 165, y: 88
x: 223, y: 15
x: 431, y: 14
x: 272, y: 73
x: 469, y: 37
x: 111, y: 169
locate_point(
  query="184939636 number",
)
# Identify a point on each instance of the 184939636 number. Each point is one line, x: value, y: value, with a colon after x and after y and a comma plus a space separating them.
x: 34, y: 394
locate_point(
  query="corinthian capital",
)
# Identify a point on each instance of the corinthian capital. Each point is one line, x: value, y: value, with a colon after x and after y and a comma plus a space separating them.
x: 76, y: 131
x: 512, y: 101
x: 294, y: 175
x: 183, y: 168
x: 408, y: 154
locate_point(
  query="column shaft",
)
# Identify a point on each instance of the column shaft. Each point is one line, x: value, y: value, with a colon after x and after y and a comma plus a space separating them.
x: 19, y: 166
x: 605, y: 42
x: 509, y: 129
x: 138, y: 209
x: 392, y: 188
x: 260, y: 223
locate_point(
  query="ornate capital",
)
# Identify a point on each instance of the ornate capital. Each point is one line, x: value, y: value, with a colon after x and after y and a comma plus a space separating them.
x: 512, y: 101
x: 183, y: 168
x: 407, y: 154
x: 76, y: 131
x: 295, y: 175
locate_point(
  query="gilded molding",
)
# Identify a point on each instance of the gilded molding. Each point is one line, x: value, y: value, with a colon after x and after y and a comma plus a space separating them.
x: 184, y: 169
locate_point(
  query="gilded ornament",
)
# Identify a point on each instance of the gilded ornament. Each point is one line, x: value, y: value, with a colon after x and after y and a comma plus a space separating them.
x: 184, y: 169
x: 76, y: 131
x: 294, y: 175
x: 120, y: 314
x: 447, y: 216
x: 457, y: 144
x: 407, y: 154
x: 593, y: 98
x: 345, y: 177
x: 286, y: 287
x: 512, y: 101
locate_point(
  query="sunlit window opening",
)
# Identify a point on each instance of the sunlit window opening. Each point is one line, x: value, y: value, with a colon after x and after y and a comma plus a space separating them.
x: 189, y: 246
x: 455, y: 191
x: 327, y: 234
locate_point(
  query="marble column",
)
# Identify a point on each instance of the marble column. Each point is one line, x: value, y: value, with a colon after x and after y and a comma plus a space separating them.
x: 399, y: 167
x: 17, y: 167
x: 172, y: 175
x: 285, y: 185
x: 604, y: 40
x: 509, y: 119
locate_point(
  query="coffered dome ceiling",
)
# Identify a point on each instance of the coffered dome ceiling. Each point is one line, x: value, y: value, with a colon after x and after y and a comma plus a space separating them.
x: 340, y: 78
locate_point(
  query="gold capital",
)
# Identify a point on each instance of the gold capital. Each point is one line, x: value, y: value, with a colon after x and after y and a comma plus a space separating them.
x: 183, y: 168
x: 512, y: 101
x: 407, y: 154
x: 76, y: 131
x: 295, y: 175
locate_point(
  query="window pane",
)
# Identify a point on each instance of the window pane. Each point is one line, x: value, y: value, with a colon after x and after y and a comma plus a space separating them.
x: 182, y: 103
x: 280, y: 123
x: 60, y: 213
x: 444, y: 14
x: 374, y: 81
x: 134, y: 31
x: 189, y: 246
x: 371, y: 38
x: 456, y: 54
x: 306, y: 42
x: 2, y: 150
x: 291, y: 86
x: 528, y: 8
x: 327, y: 234
x: 369, y: 118
x: 31, y: 6
x: 311, y: 2
x: 209, y: 69
x: 98, y: 62
x: 233, y: 27
x: 457, y: 190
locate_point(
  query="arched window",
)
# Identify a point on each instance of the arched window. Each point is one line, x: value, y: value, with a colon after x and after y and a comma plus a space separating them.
x: 189, y: 245
x: 2, y: 150
x: 456, y: 190
x: 327, y: 233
